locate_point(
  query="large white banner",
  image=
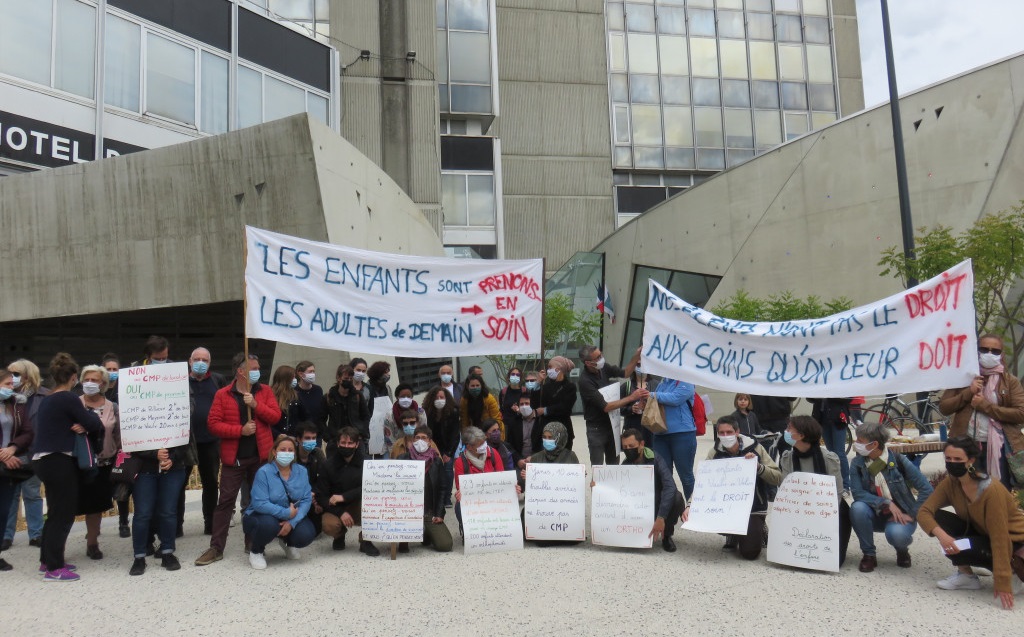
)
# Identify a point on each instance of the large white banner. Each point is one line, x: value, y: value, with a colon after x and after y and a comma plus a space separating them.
x: 556, y: 501
x: 392, y: 500
x: 154, y: 406
x: 490, y: 512
x: 622, y: 505
x: 322, y: 295
x: 804, y: 527
x: 919, y: 340
x: 723, y: 496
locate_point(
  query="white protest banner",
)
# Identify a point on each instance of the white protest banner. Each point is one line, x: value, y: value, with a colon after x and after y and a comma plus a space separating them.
x: 490, y: 512
x: 154, y: 406
x: 381, y: 410
x: 556, y: 502
x: 723, y: 495
x: 392, y: 500
x: 918, y: 340
x: 322, y: 295
x: 612, y: 393
x: 804, y: 528
x: 622, y: 505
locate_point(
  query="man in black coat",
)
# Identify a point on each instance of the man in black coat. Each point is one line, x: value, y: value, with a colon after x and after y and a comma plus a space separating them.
x: 339, y: 490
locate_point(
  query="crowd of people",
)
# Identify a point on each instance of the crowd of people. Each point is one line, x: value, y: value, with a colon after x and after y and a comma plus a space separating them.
x: 293, y: 453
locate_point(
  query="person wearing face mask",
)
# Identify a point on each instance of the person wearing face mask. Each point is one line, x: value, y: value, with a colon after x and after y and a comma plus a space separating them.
x: 447, y: 377
x: 377, y: 378
x: 309, y: 393
x: 310, y: 456
x: 597, y: 375
x: 477, y: 457
x: 344, y: 406
x: 882, y: 501
x: 557, y: 399
x: 668, y: 501
x: 16, y: 436
x: 404, y: 402
x: 95, y: 497
x: 442, y: 415
x: 435, y: 531
x: 407, y: 423
x: 360, y: 379
x: 985, y: 528
x: 26, y: 383
x: 293, y: 411
x: 524, y: 436
x: 339, y: 490
x: 156, y: 351
x: 281, y: 498
x: 803, y: 435
x: 632, y: 414
x: 478, y: 405
x: 112, y: 364
x: 508, y: 398
x: 202, y: 387
x: 493, y: 433
x: 990, y: 410
x: 241, y: 416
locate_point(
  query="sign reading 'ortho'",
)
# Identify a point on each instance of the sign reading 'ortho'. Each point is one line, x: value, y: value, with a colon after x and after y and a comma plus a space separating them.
x: 918, y: 340
x: 321, y: 295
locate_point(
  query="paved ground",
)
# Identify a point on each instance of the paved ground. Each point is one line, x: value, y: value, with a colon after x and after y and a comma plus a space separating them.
x: 540, y: 591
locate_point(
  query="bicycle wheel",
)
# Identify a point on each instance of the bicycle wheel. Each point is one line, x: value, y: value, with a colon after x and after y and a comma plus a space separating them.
x: 851, y: 435
x: 888, y: 416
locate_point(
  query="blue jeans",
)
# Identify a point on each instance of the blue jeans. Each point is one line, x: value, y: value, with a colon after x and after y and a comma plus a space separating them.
x: 835, y: 441
x: 866, y: 523
x: 679, y: 449
x: 29, y: 491
x: 156, y: 495
x: 262, y: 529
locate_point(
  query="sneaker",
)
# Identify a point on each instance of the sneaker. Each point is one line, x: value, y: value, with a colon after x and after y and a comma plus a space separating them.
x: 209, y: 556
x: 257, y: 561
x: 169, y: 562
x: 4, y: 566
x: 960, y: 581
x: 70, y: 567
x: 124, y: 530
x: 138, y: 566
x: 290, y: 552
x: 36, y: 542
x: 61, y: 575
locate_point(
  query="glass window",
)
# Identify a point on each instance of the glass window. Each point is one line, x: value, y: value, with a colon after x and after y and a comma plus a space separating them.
x: 453, y: 200
x: 481, y: 200
x: 318, y: 107
x: 442, y: 98
x: 816, y: 30
x: 736, y: 93
x: 708, y: 159
x: 470, y: 57
x: 819, y: 63
x: 639, y: 17
x: 442, y: 57
x: 734, y: 58
x: 675, y: 90
x: 787, y: 28
x: 678, y: 126
x: 76, y: 48
x: 619, y: 88
x: 822, y: 97
x: 649, y: 157
x: 761, y: 26
x: 794, y: 96
x: 250, y: 97
x: 759, y: 5
x: 281, y: 99
x: 622, y: 124
x: 730, y: 24
x: 730, y: 4
x: 792, y: 6
x: 701, y: 3
x: 617, y: 51
x: 671, y: 20
x: 623, y: 156
x: 739, y: 132
x: 735, y: 157
x: 796, y: 125
x: 791, y: 62
x: 470, y: 99
x: 816, y: 7
x: 214, y: 94
x: 170, y: 79
x: 644, y: 89
x: 442, y: 20
x: 673, y: 55
x: 647, y: 125
x: 616, y: 20
x: 122, y: 64
x: 643, y: 53
x: 706, y: 92
x: 468, y: 14
x: 707, y: 122
x: 25, y: 39
x: 293, y: 9
x: 679, y: 158
x: 819, y: 120
x: 762, y: 61
x: 767, y: 129
x: 704, y: 52
x: 702, y: 22
x: 765, y: 94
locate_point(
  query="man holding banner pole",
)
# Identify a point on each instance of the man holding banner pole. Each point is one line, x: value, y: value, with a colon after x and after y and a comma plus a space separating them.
x: 596, y: 375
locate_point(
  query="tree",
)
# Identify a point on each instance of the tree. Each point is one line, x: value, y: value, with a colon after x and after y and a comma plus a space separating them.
x: 784, y: 306
x: 995, y: 245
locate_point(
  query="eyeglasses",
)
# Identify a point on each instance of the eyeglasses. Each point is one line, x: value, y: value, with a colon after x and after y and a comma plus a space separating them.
x: 990, y: 350
x: 410, y: 422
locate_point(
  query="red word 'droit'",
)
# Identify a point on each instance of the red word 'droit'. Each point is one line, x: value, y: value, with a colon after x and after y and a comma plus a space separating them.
x: 943, y: 296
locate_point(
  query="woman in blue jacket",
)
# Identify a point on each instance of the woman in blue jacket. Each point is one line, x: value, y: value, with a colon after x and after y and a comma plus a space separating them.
x: 678, y: 445
x: 280, y: 501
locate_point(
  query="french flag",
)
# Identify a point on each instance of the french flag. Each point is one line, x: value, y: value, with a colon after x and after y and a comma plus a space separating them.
x: 604, y: 302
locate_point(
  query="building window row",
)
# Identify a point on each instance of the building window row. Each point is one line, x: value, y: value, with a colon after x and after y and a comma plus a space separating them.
x: 311, y: 17
x: 464, y: 56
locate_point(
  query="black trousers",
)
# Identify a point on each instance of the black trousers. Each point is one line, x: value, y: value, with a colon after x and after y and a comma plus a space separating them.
x: 674, y: 513
x: 59, y: 475
x: 209, y: 468
x: 980, y: 553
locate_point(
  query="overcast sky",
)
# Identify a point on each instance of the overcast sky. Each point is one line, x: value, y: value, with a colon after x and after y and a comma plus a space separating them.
x: 935, y: 39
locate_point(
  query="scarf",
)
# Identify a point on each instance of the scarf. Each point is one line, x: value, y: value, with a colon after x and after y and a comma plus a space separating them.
x: 474, y: 460
x: 996, y: 440
x: 427, y: 456
x: 817, y: 457
x: 561, y: 436
x: 396, y: 411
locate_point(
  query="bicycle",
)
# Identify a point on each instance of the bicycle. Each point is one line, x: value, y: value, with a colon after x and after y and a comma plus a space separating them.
x: 922, y: 414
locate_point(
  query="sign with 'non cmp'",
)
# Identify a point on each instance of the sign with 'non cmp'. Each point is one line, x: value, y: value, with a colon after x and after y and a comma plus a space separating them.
x: 321, y: 295
x: 918, y: 340
x: 154, y: 407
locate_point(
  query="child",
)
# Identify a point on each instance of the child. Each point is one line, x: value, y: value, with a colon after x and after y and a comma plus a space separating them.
x: 747, y: 419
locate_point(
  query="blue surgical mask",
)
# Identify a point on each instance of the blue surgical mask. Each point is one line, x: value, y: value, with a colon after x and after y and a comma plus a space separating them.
x: 532, y: 385
x: 309, y: 445
x: 254, y: 376
x: 5, y: 393
x: 549, y: 445
x: 285, y: 458
x: 409, y: 430
x: 17, y: 380
x: 157, y: 361
x: 113, y: 376
x: 446, y: 378
x: 200, y: 367
x: 788, y: 438
x: 295, y: 383
x: 513, y: 379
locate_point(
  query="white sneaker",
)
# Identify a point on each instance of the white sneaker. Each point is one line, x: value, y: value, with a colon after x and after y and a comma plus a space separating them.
x: 1018, y: 586
x: 960, y: 581
x: 257, y: 561
x: 290, y: 552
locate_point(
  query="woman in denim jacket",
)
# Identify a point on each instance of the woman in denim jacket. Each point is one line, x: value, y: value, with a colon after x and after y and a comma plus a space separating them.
x: 881, y: 483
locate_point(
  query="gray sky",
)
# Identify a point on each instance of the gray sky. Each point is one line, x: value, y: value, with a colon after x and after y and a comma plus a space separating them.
x: 935, y: 39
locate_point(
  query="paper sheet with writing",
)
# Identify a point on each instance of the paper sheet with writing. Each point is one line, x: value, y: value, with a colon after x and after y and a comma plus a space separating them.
x: 381, y: 411
x: 804, y: 525
x: 154, y: 406
x: 392, y: 501
x: 612, y: 393
x: 723, y: 495
x: 556, y: 502
x: 622, y: 505
x: 490, y: 512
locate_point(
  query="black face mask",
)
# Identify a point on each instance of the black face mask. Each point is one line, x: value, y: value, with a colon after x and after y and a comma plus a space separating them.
x: 347, y: 452
x: 632, y: 454
x: 956, y: 469
x: 346, y: 384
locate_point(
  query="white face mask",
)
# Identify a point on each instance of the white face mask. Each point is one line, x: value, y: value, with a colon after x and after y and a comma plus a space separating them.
x: 728, y: 442
x: 988, y: 360
x: 421, y: 446
x: 359, y: 377
x: 405, y: 402
x: 310, y: 378
x: 526, y: 411
x: 90, y: 388
x: 482, y: 449
x: 552, y: 373
x: 599, y: 363
x: 862, y: 448
x: 440, y: 403
x: 17, y: 380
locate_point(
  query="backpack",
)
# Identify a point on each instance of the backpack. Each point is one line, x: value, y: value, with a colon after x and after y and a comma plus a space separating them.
x: 700, y: 415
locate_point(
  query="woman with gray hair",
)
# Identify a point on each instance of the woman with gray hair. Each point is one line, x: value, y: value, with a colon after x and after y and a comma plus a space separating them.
x: 95, y: 497
x: 478, y: 457
x: 27, y: 384
x: 881, y: 482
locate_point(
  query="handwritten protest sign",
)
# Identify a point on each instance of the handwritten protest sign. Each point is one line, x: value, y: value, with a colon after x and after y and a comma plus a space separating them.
x: 622, y: 505
x: 918, y: 340
x: 490, y: 512
x: 612, y: 393
x: 556, y: 502
x: 804, y: 529
x: 392, y: 501
x: 154, y: 406
x: 723, y: 495
x: 321, y: 295
x: 381, y: 410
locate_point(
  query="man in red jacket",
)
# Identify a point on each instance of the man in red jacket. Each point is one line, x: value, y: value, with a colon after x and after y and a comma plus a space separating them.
x: 241, y: 416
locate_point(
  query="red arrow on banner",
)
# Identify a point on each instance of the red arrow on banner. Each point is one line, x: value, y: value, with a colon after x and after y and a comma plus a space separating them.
x: 476, y: 309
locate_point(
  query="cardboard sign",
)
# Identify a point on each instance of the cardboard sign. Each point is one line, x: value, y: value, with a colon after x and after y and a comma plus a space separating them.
x: 723, y: 495
x: 392, y: 501
x: 556, y: 502
x: 622, y: 506
x: 612, y: 393
x: 490, y: 512
x: 154, y: 406
x: 804, y: 529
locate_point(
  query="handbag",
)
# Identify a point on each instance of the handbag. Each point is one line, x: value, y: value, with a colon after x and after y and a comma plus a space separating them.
x: 20, y: 474
x: 1016, y: 462
x: 83, y: 454
x: 126, y: 468
x: 653, y: 417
